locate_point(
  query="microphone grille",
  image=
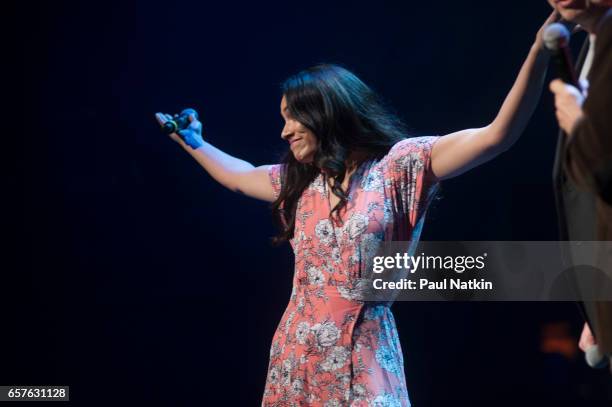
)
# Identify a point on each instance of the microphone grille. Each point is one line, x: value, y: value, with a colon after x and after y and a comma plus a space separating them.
x: 555, y: 36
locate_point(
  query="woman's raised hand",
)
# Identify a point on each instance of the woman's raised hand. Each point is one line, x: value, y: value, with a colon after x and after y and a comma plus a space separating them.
x: 191, y: 136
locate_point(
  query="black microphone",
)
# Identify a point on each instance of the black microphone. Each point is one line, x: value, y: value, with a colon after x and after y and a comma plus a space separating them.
x: 556, y: 40
x: 179, y: 121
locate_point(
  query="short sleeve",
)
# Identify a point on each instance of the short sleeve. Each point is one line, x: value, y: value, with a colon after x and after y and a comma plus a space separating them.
x: 274, y: 174
x: 412, y: 156
x: 408, y: 172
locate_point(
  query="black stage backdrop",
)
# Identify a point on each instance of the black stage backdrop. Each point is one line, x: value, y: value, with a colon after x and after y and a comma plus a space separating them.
x: 133, y: 277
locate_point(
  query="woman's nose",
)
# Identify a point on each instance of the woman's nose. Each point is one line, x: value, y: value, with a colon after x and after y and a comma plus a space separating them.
x: 286, y: 132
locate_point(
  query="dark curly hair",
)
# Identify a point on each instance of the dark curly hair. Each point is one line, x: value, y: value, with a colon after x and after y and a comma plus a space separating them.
x: 346, y: 116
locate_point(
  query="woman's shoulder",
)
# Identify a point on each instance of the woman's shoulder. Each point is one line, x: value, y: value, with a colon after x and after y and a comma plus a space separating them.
x: 410, y: 146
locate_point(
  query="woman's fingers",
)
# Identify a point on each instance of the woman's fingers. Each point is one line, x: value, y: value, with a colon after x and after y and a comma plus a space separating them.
x: 194, y: 123
x: 553, y: 17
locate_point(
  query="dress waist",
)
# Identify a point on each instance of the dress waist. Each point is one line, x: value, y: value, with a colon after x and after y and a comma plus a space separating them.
x: 356, y: 291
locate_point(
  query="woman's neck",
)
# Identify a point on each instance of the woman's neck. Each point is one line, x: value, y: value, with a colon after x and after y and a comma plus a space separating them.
x: 353, y: 161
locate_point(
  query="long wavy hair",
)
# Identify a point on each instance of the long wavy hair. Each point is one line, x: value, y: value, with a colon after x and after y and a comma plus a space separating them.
x: 346, y: 116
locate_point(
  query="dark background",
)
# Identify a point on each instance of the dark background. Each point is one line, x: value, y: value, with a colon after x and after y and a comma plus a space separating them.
x: 133, y: 277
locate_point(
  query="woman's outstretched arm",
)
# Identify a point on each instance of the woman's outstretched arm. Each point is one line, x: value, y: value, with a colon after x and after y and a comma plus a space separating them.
x: 231, y: 172
x: 458, y: 152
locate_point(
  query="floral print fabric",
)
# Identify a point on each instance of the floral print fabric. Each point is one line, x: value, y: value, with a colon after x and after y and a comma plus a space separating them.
x: 330, y: 348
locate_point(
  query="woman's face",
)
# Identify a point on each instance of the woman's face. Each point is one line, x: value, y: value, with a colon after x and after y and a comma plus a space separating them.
x: 570, y: 10
x: 302, y: 141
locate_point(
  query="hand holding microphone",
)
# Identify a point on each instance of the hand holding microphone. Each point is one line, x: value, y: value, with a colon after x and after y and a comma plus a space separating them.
x: 592, y: 354
x: 567, y: 90
x: 184, y: 128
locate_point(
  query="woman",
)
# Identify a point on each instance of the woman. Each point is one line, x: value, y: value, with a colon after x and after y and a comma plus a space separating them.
x: 351, y: 180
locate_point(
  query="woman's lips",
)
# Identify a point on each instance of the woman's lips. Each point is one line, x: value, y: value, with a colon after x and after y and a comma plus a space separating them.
x: 294, y: 140
x: 566, y: 3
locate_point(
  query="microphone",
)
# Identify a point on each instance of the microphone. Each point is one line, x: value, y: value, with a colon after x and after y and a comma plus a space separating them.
x: 179, y: 121
x: 556, y: 40
x: 595, y: 358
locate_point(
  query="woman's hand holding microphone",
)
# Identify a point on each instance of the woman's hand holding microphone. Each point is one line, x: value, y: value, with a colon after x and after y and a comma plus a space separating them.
x: 185, y: 128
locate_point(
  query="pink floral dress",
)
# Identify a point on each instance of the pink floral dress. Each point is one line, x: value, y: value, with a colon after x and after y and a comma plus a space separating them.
x: 331, y: 349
